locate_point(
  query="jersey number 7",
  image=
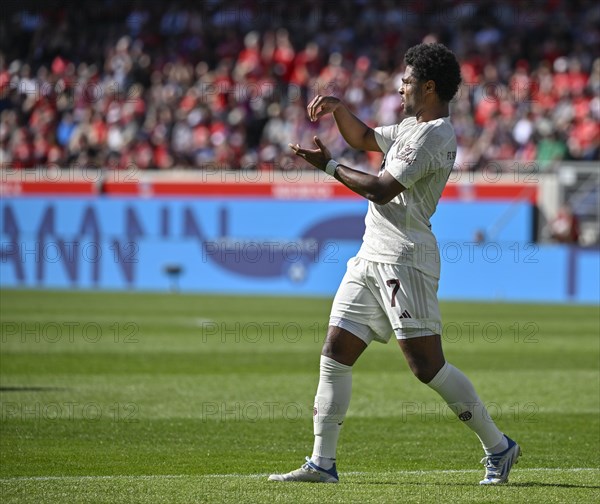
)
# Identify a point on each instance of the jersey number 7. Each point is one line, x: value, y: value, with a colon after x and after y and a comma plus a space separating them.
x: 396, y: 283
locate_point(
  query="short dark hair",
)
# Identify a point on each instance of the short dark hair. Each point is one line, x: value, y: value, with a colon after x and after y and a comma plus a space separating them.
x: 437, y: 63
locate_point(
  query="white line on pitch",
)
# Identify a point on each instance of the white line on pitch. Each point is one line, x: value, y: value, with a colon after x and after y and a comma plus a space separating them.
x: 253, y: 476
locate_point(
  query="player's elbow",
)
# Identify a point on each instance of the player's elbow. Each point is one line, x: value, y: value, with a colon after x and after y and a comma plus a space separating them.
x: 368, y: 141
x: 381, y: 193
x: 379, y: 196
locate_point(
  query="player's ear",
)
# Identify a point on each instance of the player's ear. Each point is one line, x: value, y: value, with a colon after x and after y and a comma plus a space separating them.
x: 430, y: 86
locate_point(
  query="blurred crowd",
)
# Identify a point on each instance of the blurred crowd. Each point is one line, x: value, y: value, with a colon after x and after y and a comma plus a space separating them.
x: 191, y: 84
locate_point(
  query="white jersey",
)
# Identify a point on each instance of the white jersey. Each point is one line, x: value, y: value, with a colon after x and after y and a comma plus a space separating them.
x: 420, y: 156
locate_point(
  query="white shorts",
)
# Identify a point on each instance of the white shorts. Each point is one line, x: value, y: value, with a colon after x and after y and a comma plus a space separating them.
x: 376, y: 299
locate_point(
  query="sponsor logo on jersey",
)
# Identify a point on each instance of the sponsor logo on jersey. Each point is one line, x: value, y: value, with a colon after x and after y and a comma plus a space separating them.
x: 407, y: 154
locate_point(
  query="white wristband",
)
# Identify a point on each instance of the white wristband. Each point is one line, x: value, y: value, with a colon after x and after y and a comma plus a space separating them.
x: 332, y: 164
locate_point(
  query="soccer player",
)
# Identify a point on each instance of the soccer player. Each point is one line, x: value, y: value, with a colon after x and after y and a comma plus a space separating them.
x: 391, y: 285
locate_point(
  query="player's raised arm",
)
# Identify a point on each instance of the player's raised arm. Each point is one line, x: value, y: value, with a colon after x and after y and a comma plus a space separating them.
x: 379, y: 190
x: 356, y: 133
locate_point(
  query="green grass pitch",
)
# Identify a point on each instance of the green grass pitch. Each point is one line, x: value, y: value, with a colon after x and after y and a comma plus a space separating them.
x: 128, y: 397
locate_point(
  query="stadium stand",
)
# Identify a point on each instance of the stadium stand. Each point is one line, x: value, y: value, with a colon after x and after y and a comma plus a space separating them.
x: 188, y: 84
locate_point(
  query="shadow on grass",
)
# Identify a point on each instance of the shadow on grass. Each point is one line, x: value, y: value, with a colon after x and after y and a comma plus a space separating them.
x: 31, y: 389
x: 529, y: 484
x: 552, y: 485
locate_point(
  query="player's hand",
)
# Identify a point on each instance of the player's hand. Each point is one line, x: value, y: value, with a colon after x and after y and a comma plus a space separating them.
x: 318, y: 157
x: 321, y: 105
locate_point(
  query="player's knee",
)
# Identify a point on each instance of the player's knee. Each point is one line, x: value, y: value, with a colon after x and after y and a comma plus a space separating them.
x: 422, y: 373
x: 425, y: 370
x: 333, y: 350
x: 339, y: 353
x: 342, y: 346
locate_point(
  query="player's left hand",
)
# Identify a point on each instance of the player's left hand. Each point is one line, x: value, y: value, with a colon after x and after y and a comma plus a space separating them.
x: 318, y: 157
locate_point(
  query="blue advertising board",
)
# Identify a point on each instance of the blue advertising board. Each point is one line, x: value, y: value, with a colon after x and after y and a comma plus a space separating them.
x: 270, y: 247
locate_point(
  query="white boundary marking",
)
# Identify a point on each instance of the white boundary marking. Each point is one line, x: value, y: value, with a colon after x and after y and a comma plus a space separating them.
x: 256, y: 476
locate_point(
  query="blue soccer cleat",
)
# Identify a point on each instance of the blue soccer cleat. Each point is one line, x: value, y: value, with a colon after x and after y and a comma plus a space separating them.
x: 498, y: 465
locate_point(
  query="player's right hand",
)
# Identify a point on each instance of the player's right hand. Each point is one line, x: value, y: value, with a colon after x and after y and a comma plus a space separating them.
x: 321, y: 105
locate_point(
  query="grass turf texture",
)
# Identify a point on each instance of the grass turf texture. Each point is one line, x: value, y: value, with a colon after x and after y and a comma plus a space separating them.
x: 110, y: 397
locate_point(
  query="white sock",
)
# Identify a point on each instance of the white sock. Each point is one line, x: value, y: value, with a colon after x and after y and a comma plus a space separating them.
x: 331, y: 404
x: 458, y: 392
